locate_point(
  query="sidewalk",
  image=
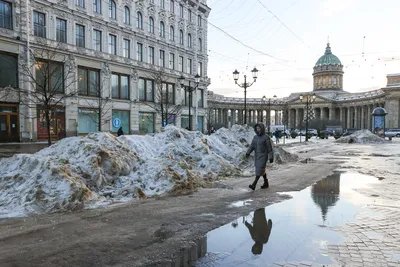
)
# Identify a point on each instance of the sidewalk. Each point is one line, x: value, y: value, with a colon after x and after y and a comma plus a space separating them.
x: 10, y: 149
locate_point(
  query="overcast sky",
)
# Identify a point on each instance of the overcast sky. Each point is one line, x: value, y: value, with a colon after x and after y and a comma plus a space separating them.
x: 298, y: 46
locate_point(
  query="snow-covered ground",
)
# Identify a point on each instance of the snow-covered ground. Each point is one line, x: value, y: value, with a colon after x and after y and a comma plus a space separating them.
x: 99, y: 169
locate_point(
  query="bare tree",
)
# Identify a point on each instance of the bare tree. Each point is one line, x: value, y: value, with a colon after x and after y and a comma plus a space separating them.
x: 49, y: 80
x: 101, y: 104
x: 165, y: 101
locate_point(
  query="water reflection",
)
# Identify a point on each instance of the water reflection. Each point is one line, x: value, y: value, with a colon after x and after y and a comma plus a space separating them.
x: 297, y: 234
x: 259, y: 231
x: 325, y: 193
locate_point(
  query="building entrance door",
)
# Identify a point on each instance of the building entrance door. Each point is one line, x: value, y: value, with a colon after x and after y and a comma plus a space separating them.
x: 9, y: 126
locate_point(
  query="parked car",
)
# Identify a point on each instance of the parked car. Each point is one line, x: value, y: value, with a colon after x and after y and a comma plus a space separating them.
x: 313, y: 132
x: 349, y: 131
x: 392, y: 133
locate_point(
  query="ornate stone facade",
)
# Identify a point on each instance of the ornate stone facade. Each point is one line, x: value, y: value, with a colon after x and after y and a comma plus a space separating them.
x: 135, y: 33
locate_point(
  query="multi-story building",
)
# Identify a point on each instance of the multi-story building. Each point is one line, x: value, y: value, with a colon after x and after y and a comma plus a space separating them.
x: 112, y: 56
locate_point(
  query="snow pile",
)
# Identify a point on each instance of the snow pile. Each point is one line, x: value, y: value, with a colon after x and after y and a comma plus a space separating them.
x: 362, y: 137
x: 100, y: 167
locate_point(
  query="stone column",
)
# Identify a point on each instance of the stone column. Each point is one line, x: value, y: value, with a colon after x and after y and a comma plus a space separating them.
x: 276, y: 117
x: 356, y: 120
x: 226, y: 117
x: 233, y: 117
x: 298, y: 118
x: 342, y: 117
x: 332, y: 114
x: 362, y: 125
x: 349, y: 118
x: 240, y: 116
x: 369, y: 117
x: 219, y: 121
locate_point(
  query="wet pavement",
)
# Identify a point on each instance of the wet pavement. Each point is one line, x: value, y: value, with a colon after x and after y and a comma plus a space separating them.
x: 8, y: 150
x: 307, y: 230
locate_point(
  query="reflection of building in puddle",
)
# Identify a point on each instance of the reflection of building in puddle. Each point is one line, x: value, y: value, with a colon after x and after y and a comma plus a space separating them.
x: 325, y: 193
x: 188, y: 257
x: 259, y: 231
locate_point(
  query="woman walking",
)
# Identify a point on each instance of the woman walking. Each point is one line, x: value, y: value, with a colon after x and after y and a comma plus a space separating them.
x: 262, y: 146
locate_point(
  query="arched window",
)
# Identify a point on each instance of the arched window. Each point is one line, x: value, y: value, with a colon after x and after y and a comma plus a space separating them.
x: 200, y: 45
x: 127, y: 16
x: 151, y: 25
x: 162, y: 29
x: 189, y: 40
x: 172, y: 33
x: 181, y: 37
x: 113, y: 10
x: 199, y: 20
x: 139, y: 20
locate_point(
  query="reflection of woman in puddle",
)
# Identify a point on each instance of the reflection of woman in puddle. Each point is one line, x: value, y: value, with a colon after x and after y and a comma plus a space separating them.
x: 259, y: 231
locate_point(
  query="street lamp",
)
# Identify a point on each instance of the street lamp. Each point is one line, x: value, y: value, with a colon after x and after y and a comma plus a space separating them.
x: 245, y: 85
x: 264, y: 99
x: 307, y: 100
x: 190, y: 89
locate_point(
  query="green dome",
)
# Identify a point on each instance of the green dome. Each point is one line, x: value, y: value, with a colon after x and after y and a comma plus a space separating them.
x: 328, y: 58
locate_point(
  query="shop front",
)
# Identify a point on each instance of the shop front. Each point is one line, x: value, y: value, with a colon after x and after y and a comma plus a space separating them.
x: 185, y: 121
x: 200, y: 122
x: 120, y: 118
x: 88, y: 121
x: 57, y: 124
x: 146, y: 122
x: 9, y: 123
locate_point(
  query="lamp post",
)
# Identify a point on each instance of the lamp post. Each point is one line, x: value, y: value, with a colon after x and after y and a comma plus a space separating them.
x: 307, y: 100
x: 264, y: 98
x: 245, y: 85
x: 190, y: 89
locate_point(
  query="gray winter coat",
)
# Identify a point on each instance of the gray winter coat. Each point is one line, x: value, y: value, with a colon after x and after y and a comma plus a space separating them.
x: 262, y: 146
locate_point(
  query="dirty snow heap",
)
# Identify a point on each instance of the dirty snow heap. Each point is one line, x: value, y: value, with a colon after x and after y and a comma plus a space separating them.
x: 361, y: 137
x: 92, y: 170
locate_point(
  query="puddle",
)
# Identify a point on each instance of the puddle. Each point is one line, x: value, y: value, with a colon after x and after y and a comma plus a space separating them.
x: 240, y: 203
x: 296, y: 230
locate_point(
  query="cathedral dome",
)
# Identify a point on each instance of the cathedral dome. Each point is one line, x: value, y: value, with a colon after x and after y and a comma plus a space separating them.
x: 328, y: 72
x: 328, y: 58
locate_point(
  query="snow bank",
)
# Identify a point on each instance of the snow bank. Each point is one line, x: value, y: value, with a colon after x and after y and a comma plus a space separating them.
x: 100, y: 167
x: 362, y: 137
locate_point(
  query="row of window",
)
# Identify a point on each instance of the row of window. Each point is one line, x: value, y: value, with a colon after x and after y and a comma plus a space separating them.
x: 39, y: 29
x: 97, y: 8
x: 49, y: 77
x: 40, y: 22
x: 89, y: 85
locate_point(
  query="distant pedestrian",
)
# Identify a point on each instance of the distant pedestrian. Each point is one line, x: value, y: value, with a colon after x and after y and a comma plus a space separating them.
x: 277, y: 135
x: 120, y: 131
x: 262, y: 145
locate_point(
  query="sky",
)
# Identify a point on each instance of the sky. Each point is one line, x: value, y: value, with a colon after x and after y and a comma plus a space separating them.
x: 292, y: 34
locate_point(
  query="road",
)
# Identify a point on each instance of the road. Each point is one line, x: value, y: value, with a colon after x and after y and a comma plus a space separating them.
x: 160, y: 231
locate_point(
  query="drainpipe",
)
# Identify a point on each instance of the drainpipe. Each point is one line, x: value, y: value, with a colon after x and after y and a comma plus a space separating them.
x: 28, y: 66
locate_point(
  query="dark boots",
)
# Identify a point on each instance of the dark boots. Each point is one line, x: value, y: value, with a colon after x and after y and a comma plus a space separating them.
x: 266, y: 184
x: 253, y: 185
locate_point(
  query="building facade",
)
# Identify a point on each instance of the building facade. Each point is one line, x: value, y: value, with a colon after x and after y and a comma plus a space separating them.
x: 112, y: 61
x: 332, y: 103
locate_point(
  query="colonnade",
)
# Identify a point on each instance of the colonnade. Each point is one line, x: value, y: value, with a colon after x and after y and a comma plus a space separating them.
x: 228, y: 117
x: 348, y: 116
